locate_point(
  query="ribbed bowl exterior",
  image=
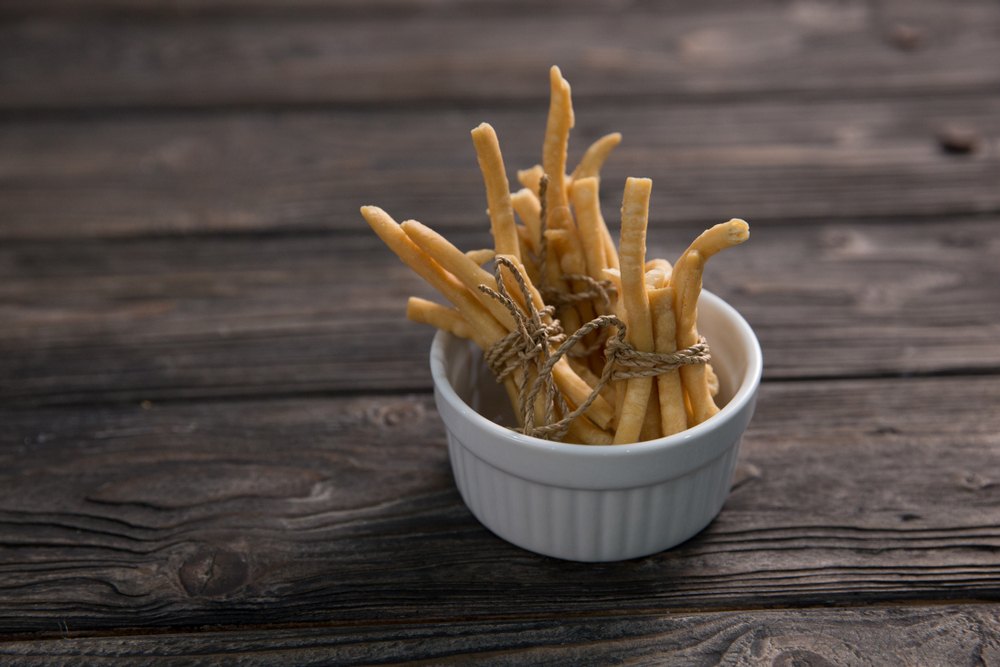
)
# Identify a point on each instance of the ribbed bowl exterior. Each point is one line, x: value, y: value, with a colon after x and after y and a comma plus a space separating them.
x: 597, y: 502
x: 592, y: 525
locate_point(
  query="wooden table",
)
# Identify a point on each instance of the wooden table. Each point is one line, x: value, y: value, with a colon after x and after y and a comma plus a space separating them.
x: 217, y: 436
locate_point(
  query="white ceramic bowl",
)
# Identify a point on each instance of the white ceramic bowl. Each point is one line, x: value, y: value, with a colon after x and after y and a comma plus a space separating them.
x: 596, y: 503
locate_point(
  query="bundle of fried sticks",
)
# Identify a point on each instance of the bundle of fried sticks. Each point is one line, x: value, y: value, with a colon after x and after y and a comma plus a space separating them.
x: 593, y: 345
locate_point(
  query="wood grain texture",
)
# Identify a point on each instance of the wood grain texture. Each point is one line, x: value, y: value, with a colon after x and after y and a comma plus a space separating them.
x: 344, y: 510
x: 833, y: 49
x: 769, y: 160
x: 94, y: 321
x: 941, y: 635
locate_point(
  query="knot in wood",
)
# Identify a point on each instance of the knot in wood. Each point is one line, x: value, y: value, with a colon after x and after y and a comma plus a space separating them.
x: 213, y: 571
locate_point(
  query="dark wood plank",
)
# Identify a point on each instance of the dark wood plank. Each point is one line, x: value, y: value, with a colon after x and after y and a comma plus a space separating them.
x: 390, y: 10
x: 712, y: 51
x: 95, y: 321
x: 940, y: 635
x: 343, y: 510
x: 773, y: 161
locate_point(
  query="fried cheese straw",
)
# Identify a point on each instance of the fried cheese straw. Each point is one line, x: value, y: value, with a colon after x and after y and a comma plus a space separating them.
x: 673, y: 418
x: 531, y: 178
x: 589, y: 222
x: 558, y: 125
x: 438, y: 316
x: 558, y: 214
x: 481, y: 256
x: 484, y: 138
x: 529, y: 210
x: 635, y: 217
x: 592, y: 160
x: 686, y: 281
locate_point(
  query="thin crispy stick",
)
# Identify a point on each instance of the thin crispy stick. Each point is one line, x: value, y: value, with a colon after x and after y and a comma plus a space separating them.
x: 558, y: 215
x: 583, y: 431
x: 712, y: 379
x: 673, y: 418
x: 528, y: 250
x: 560, y: 122
x: 482, y: 322
x: 529, y: 209
x: 651, y: 420
x: 661, y: 265
x: 610, y: 252
x: 652, y: 426
x: 589, y: 223
x: 686, y: 280
x: 485, y: 329
x: 635, y: 217
x: 481, y: 256
x: 592, y: 160
x: 470, y: 274
x: 530, y: 178
x: 497, y: 190
x: 436, y: 315
x: 654, y: 278
x: 554, y: 280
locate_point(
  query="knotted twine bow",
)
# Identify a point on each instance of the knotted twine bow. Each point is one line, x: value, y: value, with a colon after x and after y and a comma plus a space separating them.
x: 527, y: 348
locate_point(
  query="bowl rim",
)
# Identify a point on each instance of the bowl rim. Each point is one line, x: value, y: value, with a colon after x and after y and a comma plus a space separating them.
x: 744, y: 395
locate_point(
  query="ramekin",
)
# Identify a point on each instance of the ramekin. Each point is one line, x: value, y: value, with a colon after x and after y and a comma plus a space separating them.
x: 598, y: 503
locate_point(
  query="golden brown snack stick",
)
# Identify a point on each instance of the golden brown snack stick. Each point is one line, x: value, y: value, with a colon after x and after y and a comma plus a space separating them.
x: 438, y: 316
x: 635, y: 217
x: 528, y: 250
x: 712, y: 379
x: 716, y: 238
x: 673, y: 418
x: 661, y: 265
x: 687, y: 284
x: 530, y: 178
x: 589, y: 223
x: 592, y: 160
x: 560, y: 240
x: 497, y: 190
x: 615, y: 276
x: 560, y: 122
x: 590, y: 377
x: 485, y: 329
x: 654, y: 279
x: 568, y: 315
x: 485, y: 325
x: 651, y: 422
x: 529, y: 209
x: 481, y: 256
x: 583, y: 431
x: 610, y: 252
x: 686, y: 280
x: 558, y: 215
x: 470, y: 274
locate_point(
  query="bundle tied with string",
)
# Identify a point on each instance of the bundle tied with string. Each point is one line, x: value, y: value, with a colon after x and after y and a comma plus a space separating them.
x: 528, y: 348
